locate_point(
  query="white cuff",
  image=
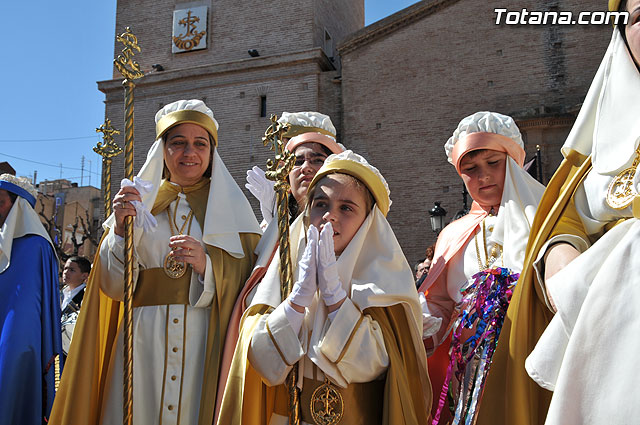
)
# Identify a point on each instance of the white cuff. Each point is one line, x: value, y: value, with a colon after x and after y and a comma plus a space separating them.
x: 344, y: 324
x: 283, y: 336
x: 116, y: 246
x: 201, y: 293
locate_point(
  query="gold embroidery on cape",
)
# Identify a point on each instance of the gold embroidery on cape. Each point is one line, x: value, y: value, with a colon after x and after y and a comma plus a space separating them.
x: 621, y: 192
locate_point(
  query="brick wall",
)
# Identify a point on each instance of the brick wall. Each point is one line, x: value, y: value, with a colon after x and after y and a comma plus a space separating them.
x: 233, y: 29
x: 339, y: 19
x: 292, y: 71
x: 395, y: 94
x: 289, y: 83
x: 408, y: 80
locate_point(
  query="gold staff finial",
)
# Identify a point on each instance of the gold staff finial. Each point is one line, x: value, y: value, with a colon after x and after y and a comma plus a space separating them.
x: 278, y: 169
x: 131, y: 71
x: 107, y: 149
x: 129, y: 68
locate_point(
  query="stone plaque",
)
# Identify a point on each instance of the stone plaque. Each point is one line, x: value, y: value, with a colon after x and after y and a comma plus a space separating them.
x: 189, y: 29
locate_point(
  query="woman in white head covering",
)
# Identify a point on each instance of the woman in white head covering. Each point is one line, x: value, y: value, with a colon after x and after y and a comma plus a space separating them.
x: 351, y: 322
x: 488, y: 153
x: 586, y: 247
x: 194, y: 240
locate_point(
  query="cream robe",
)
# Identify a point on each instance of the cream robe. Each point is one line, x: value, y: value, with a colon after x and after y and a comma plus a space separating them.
x: 587, y: 354
x: 169, y: 340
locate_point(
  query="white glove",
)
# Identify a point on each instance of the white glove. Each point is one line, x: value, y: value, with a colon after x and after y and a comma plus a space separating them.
x: 430, y: 324
x: 262, y: 189
x: 143, y: 218
x: 306, y: 286
x: 328, y: 279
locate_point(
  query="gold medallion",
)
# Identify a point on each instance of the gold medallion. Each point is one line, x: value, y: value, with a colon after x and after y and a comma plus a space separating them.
x: 621, y: 191
x: 173, y: 268
x: 327, y: 405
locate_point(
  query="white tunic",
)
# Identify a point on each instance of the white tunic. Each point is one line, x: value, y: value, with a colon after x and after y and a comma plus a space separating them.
x: 444, y: 296
x: 588, y: 353
x: 169, y: 340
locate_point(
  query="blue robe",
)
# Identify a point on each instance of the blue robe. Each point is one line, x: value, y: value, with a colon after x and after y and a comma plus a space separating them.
x: 30, y: 335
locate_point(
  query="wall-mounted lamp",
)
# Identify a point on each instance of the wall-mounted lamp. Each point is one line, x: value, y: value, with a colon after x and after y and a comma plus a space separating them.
x: 437, y: 214
x: 253, y: 53
x: 157, y: 67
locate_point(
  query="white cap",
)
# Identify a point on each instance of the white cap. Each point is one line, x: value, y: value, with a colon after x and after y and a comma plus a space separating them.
x: 484, y: 122
x: 311, y: 121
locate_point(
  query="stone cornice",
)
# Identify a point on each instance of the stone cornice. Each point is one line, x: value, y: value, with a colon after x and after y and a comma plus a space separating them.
x: 392, y: 23
x: 311, y: 56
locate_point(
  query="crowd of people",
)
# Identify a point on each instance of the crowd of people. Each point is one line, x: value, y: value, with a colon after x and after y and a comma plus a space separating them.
x: 525, y: 309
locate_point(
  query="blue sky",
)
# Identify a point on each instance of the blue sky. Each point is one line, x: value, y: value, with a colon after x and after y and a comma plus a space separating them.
x: 50, y: 106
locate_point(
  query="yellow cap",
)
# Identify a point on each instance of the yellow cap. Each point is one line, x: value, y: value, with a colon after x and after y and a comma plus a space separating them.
x: 361, y: 171
x: 187, y: 116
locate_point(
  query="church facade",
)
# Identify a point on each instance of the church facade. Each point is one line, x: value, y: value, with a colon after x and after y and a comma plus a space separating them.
x: 395, y: 89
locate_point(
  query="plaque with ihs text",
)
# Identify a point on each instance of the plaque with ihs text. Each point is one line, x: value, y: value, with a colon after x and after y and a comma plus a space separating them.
x: 189, y: 29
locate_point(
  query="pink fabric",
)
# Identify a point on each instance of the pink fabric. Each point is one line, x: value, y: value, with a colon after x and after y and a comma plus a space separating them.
x: 483, y: 140
x: 451, y: 240
x: 311, y: 137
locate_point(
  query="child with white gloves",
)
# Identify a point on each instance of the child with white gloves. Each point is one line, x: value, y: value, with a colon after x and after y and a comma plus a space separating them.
x: 352, y: 323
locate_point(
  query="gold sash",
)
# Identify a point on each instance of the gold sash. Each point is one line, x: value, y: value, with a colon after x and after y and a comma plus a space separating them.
x: 362, y: 402
x: 154, y: 287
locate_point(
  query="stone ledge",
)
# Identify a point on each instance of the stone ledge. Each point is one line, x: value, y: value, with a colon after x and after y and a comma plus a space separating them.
x: 313, y: 56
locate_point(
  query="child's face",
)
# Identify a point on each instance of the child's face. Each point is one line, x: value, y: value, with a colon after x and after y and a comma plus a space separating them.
x: 337, y: 199
x: 72, y: 275
x: 483, y: 174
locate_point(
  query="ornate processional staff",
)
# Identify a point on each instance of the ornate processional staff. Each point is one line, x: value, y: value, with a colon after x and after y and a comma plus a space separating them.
x: 278, y: 171
x: 107, y: 150
x: 130, y: 70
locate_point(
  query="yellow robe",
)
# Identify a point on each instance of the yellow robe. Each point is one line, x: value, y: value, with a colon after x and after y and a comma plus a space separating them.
x: 511, y: 397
